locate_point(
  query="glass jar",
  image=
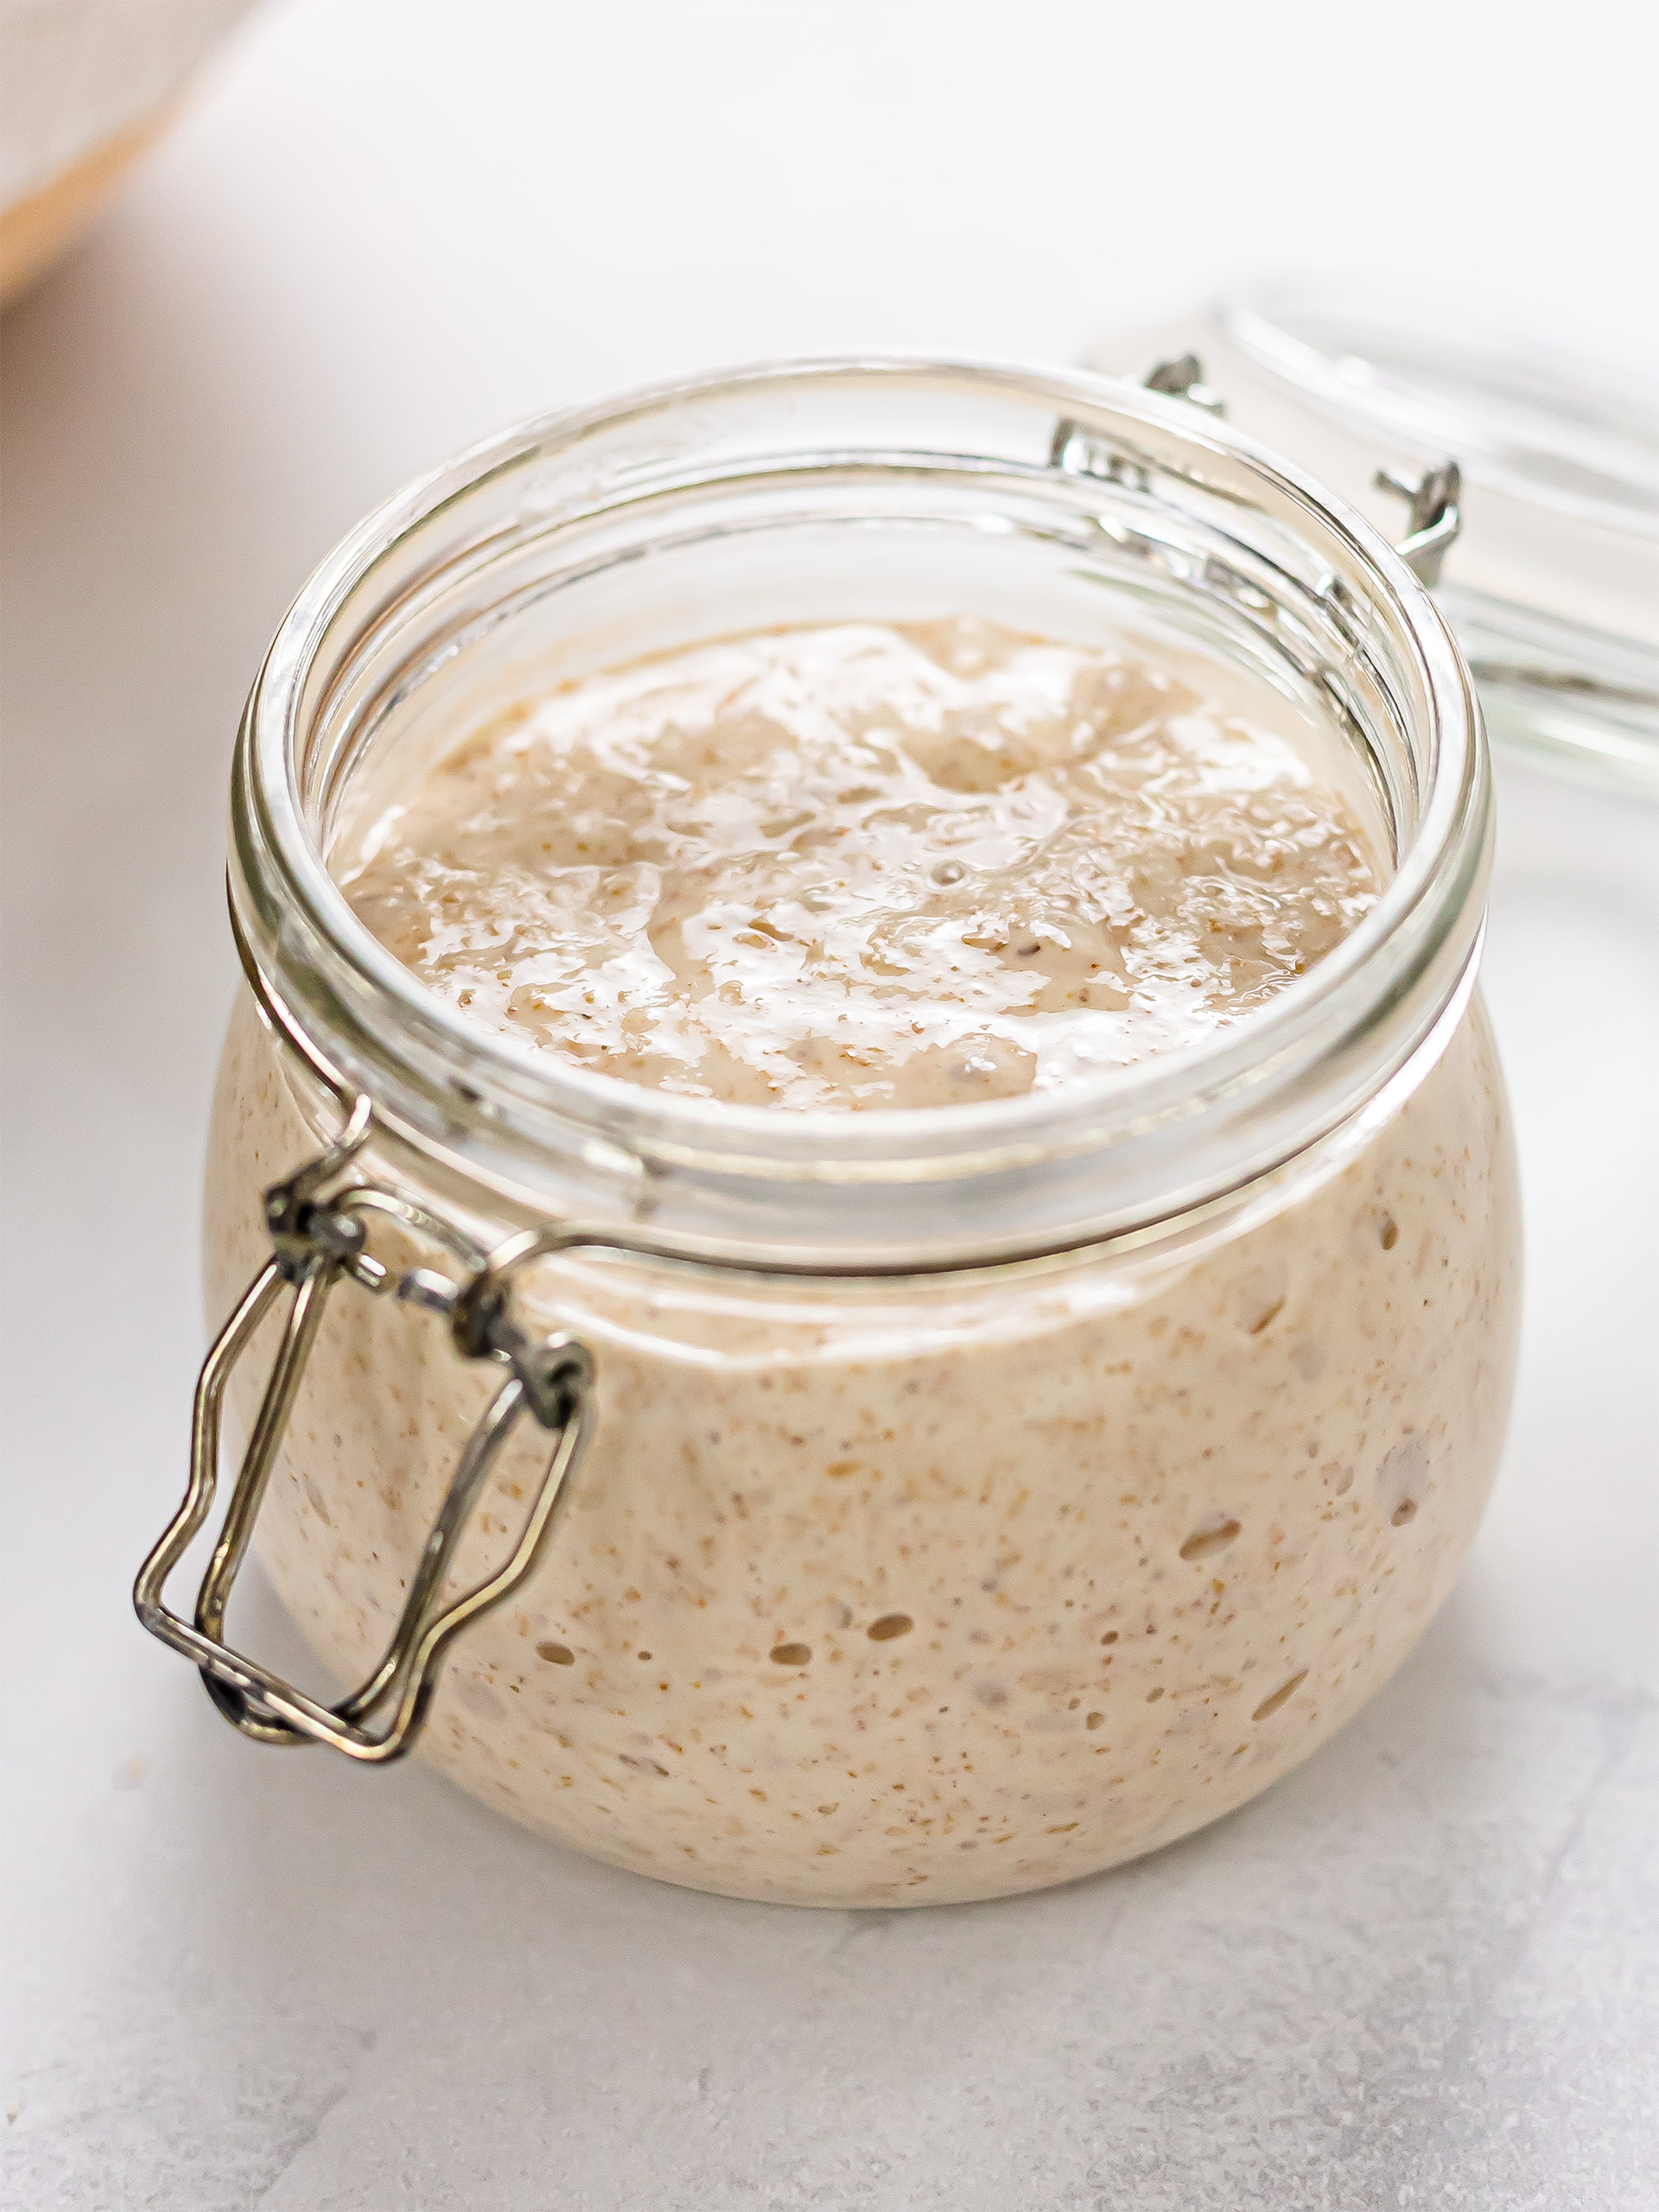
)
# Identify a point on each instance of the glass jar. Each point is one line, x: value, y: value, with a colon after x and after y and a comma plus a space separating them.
x: 887, y: 1508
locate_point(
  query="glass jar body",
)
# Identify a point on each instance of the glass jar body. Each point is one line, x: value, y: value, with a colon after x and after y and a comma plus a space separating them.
x: 922, y: 1590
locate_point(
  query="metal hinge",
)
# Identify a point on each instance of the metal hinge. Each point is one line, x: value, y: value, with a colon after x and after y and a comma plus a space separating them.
x: 1434, y: 502
x: 1433, y: 495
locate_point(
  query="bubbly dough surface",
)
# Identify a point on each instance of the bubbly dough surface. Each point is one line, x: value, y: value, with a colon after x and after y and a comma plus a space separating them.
x: 864, y: 866
x: 924, y: 1592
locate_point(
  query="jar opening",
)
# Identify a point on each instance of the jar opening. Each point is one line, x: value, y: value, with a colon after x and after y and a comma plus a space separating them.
x: 1069, y: 504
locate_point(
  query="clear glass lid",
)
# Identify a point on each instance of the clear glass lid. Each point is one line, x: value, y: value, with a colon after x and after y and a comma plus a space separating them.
x: 1552, y: 584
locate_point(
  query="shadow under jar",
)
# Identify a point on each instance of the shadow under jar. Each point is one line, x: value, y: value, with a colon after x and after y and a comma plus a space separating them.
x: 971, y: 1497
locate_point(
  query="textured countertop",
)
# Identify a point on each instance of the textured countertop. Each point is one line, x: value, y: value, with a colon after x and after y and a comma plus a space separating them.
x: 1424, y: 1971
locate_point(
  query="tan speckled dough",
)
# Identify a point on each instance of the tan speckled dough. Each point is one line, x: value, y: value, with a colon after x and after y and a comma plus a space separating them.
x: 862, y: 865
x: 971, y: 1591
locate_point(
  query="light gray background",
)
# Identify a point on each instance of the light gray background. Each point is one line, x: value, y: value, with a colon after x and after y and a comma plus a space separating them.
x: 1421, y: 1972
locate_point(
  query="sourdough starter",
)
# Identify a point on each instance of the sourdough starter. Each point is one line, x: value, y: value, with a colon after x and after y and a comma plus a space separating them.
x: 906, y: 1592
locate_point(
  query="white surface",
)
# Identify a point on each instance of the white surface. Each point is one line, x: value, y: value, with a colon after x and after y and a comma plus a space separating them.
x: 1423, y: 1971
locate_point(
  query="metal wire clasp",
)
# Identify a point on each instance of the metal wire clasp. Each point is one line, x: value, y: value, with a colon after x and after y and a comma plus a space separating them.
x: 1434, y: 500
x: 1434, y: 496
x: 317, y: 1222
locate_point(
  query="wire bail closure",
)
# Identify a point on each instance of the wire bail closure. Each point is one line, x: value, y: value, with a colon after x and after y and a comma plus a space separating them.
x: 1434, y: 496
x: 1433, y: 509
x: 317, y: 1223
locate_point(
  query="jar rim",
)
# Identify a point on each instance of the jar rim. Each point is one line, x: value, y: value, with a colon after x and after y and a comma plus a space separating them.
x: 298, y: 922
